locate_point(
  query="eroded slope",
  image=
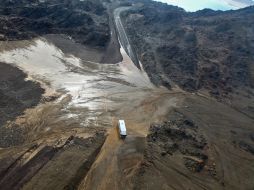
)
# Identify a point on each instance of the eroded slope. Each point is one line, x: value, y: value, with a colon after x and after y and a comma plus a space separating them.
x: 202, y: 50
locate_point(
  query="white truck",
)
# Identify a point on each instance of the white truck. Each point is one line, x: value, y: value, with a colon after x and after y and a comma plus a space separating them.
x: 122, y: 129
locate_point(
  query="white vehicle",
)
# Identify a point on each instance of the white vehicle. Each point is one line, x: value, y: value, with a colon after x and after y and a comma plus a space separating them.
x: 122, y: 129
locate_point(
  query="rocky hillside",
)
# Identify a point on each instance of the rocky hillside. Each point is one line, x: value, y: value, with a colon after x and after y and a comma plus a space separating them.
x: 85, y: 21
x: 199, y: 147
x: 210, y: 50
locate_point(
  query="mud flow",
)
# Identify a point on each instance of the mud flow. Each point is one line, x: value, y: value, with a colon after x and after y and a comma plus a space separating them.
x: 96, y: 95
x: 99, y: 93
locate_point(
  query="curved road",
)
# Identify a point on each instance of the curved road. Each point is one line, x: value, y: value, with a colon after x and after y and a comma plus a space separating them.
x: 123, y: 38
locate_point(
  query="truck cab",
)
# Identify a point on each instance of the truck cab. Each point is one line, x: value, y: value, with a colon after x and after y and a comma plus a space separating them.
x: 122, y: 129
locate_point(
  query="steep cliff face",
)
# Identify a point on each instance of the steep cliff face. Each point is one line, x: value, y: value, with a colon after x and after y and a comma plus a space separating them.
x: 210, y: 50
x: 85, y: 21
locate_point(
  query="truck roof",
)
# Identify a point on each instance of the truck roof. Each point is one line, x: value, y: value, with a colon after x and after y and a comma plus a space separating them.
x: 122, y: 125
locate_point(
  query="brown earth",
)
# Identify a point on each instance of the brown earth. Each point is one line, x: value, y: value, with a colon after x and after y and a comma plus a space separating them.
x: 203, y: 145
x: 36, y: 146
x: 38, y: 149
x: 56, y: 161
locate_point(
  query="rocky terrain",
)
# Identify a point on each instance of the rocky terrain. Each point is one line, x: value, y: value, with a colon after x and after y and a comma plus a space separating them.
x: 210, y: 50
x: 180, y: 135
x: 200, y: 144
x: 16, y: 94
x: 59, y: 106
x: 84, y: 21
x: 209, y: 53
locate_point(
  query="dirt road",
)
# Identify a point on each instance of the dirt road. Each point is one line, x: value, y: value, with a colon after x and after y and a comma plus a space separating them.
x: 116, y: 163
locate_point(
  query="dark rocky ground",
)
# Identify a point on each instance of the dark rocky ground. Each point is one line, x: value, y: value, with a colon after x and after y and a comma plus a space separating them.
x: 85, y: 21
x: 16, y: 94
x: 205, y: 145
x: 180, y: 134
x: 210, y: 50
